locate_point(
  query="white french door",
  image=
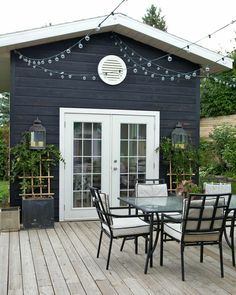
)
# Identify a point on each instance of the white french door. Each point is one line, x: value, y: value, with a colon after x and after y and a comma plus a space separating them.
x: 108, y: 149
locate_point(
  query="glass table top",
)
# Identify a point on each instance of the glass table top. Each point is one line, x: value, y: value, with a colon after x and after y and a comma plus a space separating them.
x: 162, y: 204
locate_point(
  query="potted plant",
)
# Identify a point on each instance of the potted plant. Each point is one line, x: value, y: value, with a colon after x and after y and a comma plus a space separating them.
x: 32, y: 170
x: 187, y: 187
x: 9, y: 216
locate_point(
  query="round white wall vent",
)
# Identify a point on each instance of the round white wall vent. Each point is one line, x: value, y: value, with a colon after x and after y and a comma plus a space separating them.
x: 112, y: 69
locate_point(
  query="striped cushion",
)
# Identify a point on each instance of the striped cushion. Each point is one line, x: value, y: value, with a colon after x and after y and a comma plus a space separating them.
x: 207, y: 213
x: 106, y: 204
x: 127, y: 227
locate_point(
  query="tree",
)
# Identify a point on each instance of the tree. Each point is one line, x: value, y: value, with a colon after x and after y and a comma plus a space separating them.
x: 153, y: 18
x: 4, y: 134
x: 4, y: 108
x: 218, y: 93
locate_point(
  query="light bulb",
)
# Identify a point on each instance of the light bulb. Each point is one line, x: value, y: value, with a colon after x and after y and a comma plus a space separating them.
x: 70, y: 76
x: 62, y: 55
x: 80, y: 45
x: 135, y: 70
x: 169, y: 58
x: 94, y: 78
x: 68, y: 50
x: 87, y: 38
x: 163, y: 78
x: 149, y: 64
x: 152, y: 75
x: 172, y: 78
x: 56, y: 58
x: 84, y: 78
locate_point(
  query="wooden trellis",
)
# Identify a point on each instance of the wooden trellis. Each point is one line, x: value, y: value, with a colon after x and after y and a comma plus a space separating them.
x: 172, y: 178
x: 40, y: 185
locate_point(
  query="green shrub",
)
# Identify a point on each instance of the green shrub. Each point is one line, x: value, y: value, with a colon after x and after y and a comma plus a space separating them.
x: 4, y: 152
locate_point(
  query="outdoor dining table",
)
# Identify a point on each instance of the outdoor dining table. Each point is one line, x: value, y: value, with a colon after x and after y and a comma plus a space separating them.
x: 162, y: 204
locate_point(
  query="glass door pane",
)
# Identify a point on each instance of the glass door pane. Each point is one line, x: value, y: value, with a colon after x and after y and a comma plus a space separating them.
x: 87, y: 155
x: 132, y: 156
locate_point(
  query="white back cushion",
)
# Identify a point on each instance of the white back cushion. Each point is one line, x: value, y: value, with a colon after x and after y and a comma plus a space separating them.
x: 150, y: 190
x: 217, y: 188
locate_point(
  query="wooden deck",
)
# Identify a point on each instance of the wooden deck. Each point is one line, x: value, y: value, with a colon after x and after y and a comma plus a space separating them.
x: 63, y: 261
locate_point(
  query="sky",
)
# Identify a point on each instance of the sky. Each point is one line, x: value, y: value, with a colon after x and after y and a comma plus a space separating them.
x: 189, y: 19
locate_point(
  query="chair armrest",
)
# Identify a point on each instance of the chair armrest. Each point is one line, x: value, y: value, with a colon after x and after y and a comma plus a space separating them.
x: 169, y: 218
x: 125, y: 216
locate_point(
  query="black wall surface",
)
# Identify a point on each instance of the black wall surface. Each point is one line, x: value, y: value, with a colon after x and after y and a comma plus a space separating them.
x: 35, y: 94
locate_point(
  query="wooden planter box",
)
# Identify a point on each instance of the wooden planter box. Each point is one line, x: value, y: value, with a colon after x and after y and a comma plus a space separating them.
x: 10, y: 219
x: 38, y: 212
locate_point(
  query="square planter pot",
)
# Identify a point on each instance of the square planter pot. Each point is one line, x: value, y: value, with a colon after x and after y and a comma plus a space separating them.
x: 10, y: 219
x: 38, y: 213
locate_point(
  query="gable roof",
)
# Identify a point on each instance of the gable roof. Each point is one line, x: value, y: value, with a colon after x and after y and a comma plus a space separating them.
x: 118, y: 23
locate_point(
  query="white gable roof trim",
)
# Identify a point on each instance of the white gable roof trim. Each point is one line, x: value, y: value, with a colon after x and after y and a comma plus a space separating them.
x: 118, y: 23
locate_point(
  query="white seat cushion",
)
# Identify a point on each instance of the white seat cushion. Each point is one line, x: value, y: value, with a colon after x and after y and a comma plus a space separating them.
x: 128, y: 227
x: 174, y: 230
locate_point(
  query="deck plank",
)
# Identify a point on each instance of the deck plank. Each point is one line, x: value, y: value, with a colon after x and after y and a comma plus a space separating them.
x: 41, y: 270
x: 4, y: 251
x: 15, y: 285
x: 81, y: 270
x: 28, y: 273
x: 58, y: 281
x: 63, y: 261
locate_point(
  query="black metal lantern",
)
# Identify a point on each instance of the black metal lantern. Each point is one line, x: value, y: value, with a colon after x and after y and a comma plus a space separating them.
x: 37, y: 136
x: 179, y: 137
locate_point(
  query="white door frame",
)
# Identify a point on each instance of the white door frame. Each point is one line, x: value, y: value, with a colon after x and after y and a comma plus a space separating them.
x: 64, y: 111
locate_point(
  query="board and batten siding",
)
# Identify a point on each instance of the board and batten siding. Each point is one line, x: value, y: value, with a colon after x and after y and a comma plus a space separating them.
x: 35, y: 94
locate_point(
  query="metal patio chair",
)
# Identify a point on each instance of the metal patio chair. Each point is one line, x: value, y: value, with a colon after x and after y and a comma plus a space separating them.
x: 116, y: 226
x: 151, y: 188
x: 203, y: 223
x: 220, y: 188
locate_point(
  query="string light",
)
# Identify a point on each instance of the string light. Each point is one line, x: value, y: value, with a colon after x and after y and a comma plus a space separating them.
x: 130, y: 55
